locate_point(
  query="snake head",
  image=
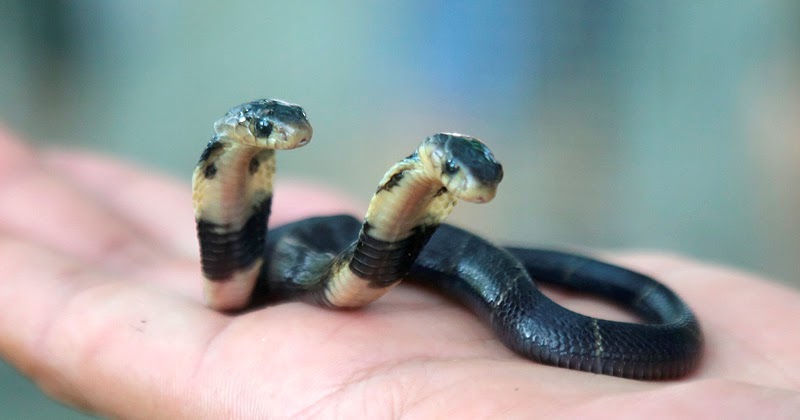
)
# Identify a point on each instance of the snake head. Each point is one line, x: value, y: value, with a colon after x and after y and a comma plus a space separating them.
x: 269, y: 123
x: 465, y: 166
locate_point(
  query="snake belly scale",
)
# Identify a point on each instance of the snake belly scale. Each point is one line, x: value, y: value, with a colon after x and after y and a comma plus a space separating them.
x: 340, y: 262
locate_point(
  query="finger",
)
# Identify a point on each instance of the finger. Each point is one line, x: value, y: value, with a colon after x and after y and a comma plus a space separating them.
x: 100, y: 342
x: 156, y: 205
x: 43, y: 207
x: 15, y: 156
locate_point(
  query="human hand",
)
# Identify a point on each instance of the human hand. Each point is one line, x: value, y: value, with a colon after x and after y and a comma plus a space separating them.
x: 101, y: 301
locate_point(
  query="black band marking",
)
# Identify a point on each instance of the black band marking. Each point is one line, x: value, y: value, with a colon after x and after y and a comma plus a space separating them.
x: 385, y: 262
x: 211, y: 171
x: 255, y: 163
x: 393, y: 181
x: 223, y: 252
x: 209, y: 157
x: 213, y: 145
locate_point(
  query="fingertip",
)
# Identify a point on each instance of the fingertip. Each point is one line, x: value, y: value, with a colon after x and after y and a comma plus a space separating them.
x: 14, y: 153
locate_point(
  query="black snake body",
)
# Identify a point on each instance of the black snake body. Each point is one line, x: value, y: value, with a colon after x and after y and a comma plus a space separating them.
x: 499, y: 286
x: 338, y: 261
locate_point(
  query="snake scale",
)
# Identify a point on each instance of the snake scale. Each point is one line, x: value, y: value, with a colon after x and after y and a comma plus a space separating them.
x: 341, y: 262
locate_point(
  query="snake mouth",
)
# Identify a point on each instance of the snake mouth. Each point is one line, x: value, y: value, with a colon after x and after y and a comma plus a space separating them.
x: 281, y: 139
x: 483, y: 195
x: 480, y: 199
x: 471, y: 190
x: 291, y: 137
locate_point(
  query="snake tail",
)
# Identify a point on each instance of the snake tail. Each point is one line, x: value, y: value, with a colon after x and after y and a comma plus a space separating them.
x: 232, y: 194
x: 500, y: 287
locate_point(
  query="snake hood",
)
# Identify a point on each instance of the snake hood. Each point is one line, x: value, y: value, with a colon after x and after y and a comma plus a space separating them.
x: 232, y: 193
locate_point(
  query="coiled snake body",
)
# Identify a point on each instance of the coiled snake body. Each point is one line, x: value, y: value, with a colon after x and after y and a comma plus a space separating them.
x: 340, y: 262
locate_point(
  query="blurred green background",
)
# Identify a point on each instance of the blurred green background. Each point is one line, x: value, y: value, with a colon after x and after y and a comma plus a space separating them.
x: 623, y: 124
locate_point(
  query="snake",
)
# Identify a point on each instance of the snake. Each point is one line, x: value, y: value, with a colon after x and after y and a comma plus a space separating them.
x: 340, y: 262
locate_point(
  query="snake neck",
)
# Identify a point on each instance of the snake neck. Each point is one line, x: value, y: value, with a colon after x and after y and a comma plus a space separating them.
x: 408, y: 200
x: 232, y: 193
x: 404, y: 212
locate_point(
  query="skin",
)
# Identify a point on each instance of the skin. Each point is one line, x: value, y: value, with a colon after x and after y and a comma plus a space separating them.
x: 101, y: 299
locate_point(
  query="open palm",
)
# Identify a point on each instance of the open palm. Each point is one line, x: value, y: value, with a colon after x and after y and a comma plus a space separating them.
x: 101, y: 306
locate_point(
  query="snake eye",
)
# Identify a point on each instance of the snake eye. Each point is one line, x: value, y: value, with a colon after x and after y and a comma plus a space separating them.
x: 450, y: 167
x: 263, y: 128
